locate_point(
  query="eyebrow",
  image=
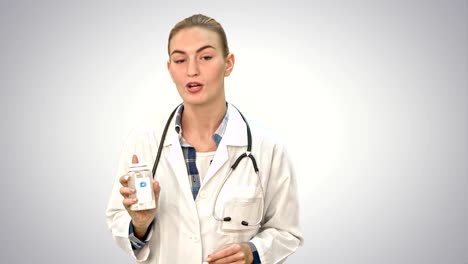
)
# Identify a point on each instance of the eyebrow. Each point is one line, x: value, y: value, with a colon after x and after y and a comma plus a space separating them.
x: 198, y: 50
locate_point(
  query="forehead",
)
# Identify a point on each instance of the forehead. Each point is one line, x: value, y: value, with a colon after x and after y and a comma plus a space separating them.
x: 191, y: 39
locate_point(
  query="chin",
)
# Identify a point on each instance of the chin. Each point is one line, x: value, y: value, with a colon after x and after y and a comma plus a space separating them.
x: 194, y: 101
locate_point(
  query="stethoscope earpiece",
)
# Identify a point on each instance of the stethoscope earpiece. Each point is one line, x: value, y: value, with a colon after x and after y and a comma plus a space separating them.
x: 228, y: 219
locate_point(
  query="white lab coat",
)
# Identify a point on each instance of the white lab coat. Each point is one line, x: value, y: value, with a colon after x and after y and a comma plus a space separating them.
x: 185, y: 230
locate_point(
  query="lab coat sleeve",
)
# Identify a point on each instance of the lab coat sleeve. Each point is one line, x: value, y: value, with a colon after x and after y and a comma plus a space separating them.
x: 117, y: 217
x: 280, y: 234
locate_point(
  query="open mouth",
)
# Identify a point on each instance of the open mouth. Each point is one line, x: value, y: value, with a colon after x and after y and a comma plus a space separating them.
x: 194, y: 86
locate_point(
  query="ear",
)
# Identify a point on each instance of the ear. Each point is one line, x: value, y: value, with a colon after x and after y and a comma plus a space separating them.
x: 169, y: 68
x: 230, y: 60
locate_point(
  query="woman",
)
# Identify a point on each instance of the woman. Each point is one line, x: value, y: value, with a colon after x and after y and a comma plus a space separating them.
x: 204, y: 213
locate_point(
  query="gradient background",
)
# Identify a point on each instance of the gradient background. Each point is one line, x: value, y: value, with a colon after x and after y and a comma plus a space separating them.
x: 370, y: 96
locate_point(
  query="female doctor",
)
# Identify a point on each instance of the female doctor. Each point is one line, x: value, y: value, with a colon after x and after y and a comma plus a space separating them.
x: 207, y: 211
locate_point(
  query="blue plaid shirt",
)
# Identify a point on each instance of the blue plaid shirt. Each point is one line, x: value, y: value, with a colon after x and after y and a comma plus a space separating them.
x: 190, y: 152
x: 190, y: 160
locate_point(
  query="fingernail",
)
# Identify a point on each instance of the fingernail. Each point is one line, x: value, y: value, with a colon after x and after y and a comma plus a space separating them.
x: 132, y: 190
x: 126, y: 178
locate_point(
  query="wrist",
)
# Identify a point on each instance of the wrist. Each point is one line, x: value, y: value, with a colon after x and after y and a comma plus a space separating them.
x: 248, y: 253
x: 140, y: 231
x: 255, y: 256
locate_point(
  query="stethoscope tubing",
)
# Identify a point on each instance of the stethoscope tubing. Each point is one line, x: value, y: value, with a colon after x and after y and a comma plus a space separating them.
x: 227, y: 219
x: 248, y: 154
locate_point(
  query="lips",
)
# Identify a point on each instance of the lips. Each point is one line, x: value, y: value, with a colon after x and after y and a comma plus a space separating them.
x: 193, y: 87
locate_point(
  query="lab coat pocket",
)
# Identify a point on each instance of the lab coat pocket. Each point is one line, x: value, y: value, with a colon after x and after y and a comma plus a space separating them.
x: 244, y: 214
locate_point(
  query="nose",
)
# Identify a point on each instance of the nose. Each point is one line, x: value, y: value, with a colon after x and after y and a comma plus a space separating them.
x: 192, y: 68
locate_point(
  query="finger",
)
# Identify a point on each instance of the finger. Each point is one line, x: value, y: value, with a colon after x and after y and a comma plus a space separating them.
x: 134, y: 159
x: 127, y: 202
x: 224, y: 252
x: 126, y: 191
x: 237, y: 257
x: 124, y: 180
x: 157, y: 190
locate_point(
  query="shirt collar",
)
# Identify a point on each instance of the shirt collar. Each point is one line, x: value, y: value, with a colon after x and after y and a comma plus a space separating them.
x: 218, y: 134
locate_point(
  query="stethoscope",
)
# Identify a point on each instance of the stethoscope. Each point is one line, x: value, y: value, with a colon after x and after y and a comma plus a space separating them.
x: 248, y: 154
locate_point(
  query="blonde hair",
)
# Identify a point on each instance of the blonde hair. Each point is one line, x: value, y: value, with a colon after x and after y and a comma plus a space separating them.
x: 201, y: 21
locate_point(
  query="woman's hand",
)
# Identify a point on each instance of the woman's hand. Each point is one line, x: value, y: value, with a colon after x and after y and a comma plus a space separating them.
x: 232, y: 253
x: 143, y: 218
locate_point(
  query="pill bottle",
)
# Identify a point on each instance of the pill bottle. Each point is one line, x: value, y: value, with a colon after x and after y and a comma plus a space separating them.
x: 141, y: 180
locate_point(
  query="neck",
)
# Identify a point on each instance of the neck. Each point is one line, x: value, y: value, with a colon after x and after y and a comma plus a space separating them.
x: 200, y: 122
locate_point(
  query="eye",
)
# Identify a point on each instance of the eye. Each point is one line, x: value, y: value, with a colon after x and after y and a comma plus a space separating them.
x: 178, y: 61
x: 206, y: 58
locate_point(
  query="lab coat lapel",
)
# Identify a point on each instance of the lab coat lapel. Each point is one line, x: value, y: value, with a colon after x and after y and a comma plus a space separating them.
x: 234, y: 135
x: 177, y: 162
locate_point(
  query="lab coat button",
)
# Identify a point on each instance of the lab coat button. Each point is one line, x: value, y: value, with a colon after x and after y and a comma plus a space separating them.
x: 195, y: 239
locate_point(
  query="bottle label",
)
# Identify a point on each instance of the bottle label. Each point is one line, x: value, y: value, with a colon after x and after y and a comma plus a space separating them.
x: 144, y: 192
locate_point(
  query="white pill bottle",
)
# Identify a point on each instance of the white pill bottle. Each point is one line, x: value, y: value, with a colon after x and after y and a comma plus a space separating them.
x: 141, y: 179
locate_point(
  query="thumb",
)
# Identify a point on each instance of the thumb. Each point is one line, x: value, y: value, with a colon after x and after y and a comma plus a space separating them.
x: 134, y: 159
x: 157, y: 190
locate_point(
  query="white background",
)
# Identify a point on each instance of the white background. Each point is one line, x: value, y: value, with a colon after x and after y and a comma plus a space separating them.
x: 370, y: 96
